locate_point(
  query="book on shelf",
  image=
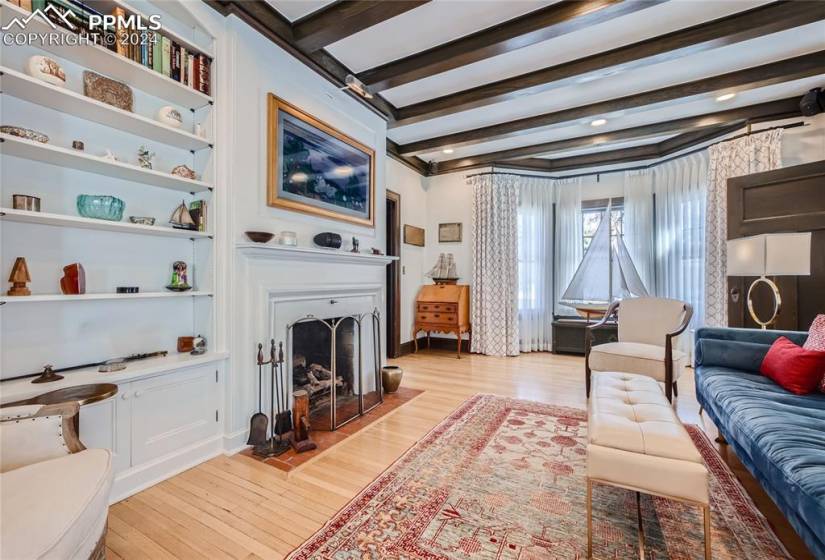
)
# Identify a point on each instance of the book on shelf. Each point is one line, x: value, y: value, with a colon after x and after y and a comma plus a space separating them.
x: 197, y: 209
x: 166, y: 53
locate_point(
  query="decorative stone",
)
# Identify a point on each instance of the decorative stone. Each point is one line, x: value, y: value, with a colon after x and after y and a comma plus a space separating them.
x: 184, y: 171
x: 169, y: 116
x: 46, y: 69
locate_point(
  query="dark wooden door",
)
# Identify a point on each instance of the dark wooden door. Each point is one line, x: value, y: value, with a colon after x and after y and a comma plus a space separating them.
x: 784, y: 200
x: 393, y: 275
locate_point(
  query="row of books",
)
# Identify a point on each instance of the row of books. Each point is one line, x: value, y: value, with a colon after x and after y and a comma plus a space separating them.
x: 151, y: 49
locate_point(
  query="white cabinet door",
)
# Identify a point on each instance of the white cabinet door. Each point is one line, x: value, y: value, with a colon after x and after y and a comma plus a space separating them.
x: 173, y: 411
x: 105, y: 425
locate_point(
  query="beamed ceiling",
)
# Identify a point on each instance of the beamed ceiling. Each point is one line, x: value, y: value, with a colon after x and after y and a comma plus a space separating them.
x: 518, y: 83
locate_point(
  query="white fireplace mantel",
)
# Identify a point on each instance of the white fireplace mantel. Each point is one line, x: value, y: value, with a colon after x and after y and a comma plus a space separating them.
x: 282, y: 252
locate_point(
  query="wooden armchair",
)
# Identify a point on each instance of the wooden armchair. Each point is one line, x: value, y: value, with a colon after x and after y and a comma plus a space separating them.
x: 647, y: 327
x: 55, y: 492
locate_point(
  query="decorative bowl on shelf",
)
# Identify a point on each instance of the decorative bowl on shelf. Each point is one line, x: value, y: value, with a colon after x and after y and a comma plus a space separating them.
x: 142, y: 220
x: 25, y: 133
x: 259, y: 236
x: 100, y: 207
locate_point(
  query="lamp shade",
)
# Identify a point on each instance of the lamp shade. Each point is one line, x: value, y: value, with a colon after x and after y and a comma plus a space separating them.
x: 746, y: 256
x: 788, y: 254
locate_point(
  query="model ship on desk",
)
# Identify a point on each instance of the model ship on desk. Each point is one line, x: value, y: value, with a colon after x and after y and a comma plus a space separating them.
x: 444, y: 271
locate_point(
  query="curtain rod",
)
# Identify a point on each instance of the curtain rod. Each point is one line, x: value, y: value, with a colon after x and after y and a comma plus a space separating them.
x: 638, y: 167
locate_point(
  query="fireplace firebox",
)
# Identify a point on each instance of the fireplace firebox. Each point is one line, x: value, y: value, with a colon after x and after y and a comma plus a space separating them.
x: 336, y: 361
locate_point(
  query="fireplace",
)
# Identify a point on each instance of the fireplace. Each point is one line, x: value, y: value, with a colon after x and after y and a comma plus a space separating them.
x: 335, y: 360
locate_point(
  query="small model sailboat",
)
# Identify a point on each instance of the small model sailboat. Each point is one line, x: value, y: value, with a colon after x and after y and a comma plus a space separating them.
x: 181, y: 218
x: 605, y: 274
x: 444, y: 271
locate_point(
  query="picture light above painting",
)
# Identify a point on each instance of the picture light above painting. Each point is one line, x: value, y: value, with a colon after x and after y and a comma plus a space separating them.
x: 316, y: 169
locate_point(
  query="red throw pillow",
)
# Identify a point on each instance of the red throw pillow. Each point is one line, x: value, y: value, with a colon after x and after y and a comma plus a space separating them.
x: 792, y: 367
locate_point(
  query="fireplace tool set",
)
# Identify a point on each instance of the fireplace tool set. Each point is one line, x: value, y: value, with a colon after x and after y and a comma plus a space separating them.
x: 268, y: 441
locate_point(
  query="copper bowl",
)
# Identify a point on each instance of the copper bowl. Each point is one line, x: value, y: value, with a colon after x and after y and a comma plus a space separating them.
x: 259, y: 236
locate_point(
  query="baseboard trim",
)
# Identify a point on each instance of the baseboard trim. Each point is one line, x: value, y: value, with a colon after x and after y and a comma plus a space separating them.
x: 437, y: 343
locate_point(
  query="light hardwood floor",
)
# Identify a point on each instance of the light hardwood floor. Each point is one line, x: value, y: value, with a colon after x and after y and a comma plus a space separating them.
x: 236, y: 507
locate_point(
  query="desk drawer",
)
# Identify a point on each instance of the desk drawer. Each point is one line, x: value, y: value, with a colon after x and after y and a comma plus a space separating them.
x: 437, y: 318
x: 437, y: 307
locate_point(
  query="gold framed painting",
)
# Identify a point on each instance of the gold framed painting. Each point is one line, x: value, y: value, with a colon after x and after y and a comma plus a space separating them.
x: 316, y: 169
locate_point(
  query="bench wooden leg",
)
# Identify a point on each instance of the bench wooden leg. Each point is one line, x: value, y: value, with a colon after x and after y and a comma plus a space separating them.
x: 641, y: 526
x: 589, y: 519
x: 706, y: 515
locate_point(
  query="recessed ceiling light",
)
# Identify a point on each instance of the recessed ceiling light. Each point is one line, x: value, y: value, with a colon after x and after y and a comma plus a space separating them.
x: 447, y: 150
x: 598, y: 122
x: 726, y: 96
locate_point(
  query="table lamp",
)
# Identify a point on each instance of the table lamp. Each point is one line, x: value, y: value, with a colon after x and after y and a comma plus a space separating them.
x: 771, y: 254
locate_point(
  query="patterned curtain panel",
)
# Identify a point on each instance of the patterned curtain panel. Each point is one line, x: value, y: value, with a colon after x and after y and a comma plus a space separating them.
x: 569, y: 248
x: 743, y: 156
x: 494, y: 302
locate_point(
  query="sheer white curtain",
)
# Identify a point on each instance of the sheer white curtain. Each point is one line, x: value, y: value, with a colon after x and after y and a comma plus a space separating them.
x: 637, y: 224
x: 680, y: 186
x: 535, y: 262
x: 568, y: 237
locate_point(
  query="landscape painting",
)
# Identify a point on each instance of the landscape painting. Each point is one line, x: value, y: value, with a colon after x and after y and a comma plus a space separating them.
x: 316, y: 169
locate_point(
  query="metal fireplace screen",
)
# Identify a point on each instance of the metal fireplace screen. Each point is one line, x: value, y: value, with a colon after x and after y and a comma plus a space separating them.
x: 336, y: 361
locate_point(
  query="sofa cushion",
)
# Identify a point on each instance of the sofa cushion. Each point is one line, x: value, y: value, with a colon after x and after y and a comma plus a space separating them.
x: 782, y: 434
x: 792, y: 367
x: 56, y: 508
x: 635, y: 357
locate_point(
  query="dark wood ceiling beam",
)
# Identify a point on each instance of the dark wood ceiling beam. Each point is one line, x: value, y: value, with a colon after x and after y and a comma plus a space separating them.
x: 761, y: 112
x: 416, y: 164
x: 623, y: 155
x: 341, y: 19
x: 758, y: 76
x: 555, y: 20
x: 758, y: 22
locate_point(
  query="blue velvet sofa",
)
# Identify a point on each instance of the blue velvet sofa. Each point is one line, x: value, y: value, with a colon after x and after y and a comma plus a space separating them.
x: 778, y: 436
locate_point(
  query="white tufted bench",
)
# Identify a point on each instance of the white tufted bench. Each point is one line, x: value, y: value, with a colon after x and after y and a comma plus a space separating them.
x: 636, y: 441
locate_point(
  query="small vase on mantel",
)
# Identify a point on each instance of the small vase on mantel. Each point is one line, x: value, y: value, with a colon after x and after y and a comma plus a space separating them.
x: 391, y: 378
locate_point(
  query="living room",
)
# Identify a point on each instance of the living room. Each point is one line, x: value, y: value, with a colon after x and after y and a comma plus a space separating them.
x: 412, y: 279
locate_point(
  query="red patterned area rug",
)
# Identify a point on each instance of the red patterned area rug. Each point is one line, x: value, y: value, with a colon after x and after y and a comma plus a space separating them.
x: 504, y: 479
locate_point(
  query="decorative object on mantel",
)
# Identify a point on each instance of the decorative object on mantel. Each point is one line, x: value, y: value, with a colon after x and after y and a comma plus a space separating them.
x: 442, y: 308
x: 109, y: 155
x: 375, y: 251
x: 316, y: 169
x: 100, y: 207
x: 48, y: 375
x: 127, y: 290
x: 328, y: 240
x: 78, y: 145
x: 19, y: 277
x: 182, y: 219
x: 449, y: 233
x: 107, y: 90
x: 444, y: 271
x: 169, y: 116
x: 300, y: 420
x: 179, y: 281
x: 184, y: 171
x: 288, y: 238
x: 280, y: 416
x: 46, y: 69
x: 142, y: 220
x: 198, y: 345
x: 391, y: 378
x: 25, y: 202
x: 259, y: 236
x: 110, y: 366
x: 25, y: 133
x: 186, y: 343
x: 354, y: 245
x: 74, y: 279
x: 414, y: 235
x: 145, y: 157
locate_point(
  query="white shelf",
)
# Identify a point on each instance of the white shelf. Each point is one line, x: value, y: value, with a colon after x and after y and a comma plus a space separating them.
x: 108, y: 63
x: 64, y: 157
x: 19, y: 389
x: 25, y: 87
x: 35, y: 298
x: 284, y: 252
x: 62, y: 220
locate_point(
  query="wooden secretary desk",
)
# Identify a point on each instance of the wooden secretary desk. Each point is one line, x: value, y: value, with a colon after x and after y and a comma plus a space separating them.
x: 442, y: 308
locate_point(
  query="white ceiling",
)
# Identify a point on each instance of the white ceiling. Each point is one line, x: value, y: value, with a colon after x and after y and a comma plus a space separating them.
x: 440, y: 21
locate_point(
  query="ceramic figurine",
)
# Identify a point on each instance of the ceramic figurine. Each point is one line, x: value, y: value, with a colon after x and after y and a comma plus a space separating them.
x: 183, y: 171
x: 354, y: 244
x: 74, y: 279
x: 19, y: 277
x: 179, y: 281
x: 200, y: 131
x: 145, y: 157
x: 169, y: 116
x: 46, y: 69
x: 78, y: 145
x: 109, y: 155
x: 199, y: 345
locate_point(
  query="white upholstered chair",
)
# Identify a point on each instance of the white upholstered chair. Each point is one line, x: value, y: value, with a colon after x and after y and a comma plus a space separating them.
x: 647, y: 327
x: 54, y: 493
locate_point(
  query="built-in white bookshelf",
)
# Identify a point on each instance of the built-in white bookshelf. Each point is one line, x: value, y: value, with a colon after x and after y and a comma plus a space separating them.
x: 70, y: 327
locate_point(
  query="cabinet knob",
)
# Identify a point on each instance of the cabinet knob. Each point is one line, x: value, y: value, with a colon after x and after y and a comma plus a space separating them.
x: 124, y: 396
x: 138, y: 394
